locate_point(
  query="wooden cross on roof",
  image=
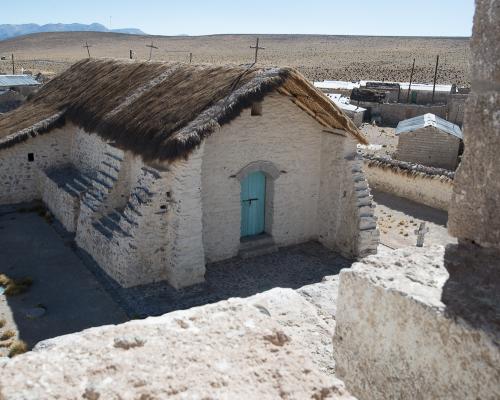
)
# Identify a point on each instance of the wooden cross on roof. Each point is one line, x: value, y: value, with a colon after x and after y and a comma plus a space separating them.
x: 151, y: 47
x: 88, y: 46
x: 257, y: 48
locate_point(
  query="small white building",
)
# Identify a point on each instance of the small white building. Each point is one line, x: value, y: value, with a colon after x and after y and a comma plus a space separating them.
x: 354, y: 112
x: 429, y: 140
x: 161, y: 168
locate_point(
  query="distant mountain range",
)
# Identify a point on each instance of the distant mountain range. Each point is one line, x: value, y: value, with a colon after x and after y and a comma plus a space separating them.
x: 8, y: 31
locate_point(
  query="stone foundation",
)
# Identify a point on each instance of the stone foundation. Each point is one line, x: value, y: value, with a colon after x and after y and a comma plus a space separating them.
x: 406, y: 327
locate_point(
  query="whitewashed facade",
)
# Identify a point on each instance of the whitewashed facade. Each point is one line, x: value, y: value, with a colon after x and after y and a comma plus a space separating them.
x: 164, y: 221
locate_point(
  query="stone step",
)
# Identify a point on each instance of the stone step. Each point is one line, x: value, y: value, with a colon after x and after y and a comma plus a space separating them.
x: 103, y: 229
x: 121, y: 218
x: 258, y: 251
x: 256, y: 241
x: 257, y: 246
x: 112, y: 225
x: 111, y: 166
x: 73, y: 190
x: 113, y: 156
x: 131, y: 209
x: 107, y: 176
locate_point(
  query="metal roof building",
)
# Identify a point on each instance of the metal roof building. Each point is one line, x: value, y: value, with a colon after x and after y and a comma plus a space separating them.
x: 8, y: 81
x: 422, y: 121
x: 429, y: 140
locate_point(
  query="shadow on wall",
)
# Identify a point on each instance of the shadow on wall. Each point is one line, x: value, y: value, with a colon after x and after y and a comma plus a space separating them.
x: 472, y: 292
x: 411, y: 208
x: 64, y: 296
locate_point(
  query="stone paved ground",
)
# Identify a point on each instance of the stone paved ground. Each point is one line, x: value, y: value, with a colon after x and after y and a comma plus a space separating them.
x: 291, y: 267
x: 62, y: 286
x: 77, y: 294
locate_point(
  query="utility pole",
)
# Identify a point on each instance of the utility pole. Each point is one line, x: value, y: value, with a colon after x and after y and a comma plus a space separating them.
x: 131, y: 54
x: 13, y: 65
x: 190, y: 57
x: 88, y: 46
x: 435, y: 78
x: 257, y: 48
x: 151, y: 47
x: 409, y: 86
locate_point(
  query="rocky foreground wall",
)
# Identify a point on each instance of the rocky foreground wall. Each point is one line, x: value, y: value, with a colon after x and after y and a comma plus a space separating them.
x: 425, y: 185
x: 263, y: 347
x: 419, y: 324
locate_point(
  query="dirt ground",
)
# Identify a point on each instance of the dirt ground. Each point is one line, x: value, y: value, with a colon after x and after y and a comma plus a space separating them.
x: 318, y: 57
x: 380, y: 136
x: 398, y: 218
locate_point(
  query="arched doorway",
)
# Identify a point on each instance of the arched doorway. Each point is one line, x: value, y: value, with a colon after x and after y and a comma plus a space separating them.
x: 253, y: 204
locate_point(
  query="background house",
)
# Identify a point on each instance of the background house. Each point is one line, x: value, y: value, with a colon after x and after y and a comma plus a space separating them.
x: 429, y: 140
x: 14, y: 90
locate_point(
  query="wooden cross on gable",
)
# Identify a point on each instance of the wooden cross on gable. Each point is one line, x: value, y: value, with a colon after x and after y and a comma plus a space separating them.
x: 88, y: 46
x: 151, y: 47
x: 257, y: 48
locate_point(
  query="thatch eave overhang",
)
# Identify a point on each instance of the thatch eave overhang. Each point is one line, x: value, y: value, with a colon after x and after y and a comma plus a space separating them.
x: 161, y: 111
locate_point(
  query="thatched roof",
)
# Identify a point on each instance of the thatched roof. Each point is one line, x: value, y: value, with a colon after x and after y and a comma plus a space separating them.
x: 160, y: 110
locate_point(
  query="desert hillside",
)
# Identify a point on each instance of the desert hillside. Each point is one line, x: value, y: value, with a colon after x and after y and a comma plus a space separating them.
x: 318, y: 57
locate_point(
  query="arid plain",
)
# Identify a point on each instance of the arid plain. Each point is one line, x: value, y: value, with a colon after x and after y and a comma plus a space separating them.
x: 317, y: 57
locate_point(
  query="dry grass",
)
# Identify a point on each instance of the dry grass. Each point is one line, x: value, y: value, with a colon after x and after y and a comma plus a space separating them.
x: 7, y: 335
x: 316, y: 56
x: 2, y: 323
x: 17, y: 347
x: 6, y: 344
x: 15, y: 286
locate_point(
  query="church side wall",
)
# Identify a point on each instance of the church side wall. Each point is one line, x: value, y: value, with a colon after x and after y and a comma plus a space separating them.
x: 346, y: 214
x: 283, y: 135
x: 87, y: 151
x: 19, y: 177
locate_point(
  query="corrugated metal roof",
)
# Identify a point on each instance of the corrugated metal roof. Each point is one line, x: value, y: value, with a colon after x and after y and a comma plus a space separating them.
x: 17, y: 80
x: 412, y: 124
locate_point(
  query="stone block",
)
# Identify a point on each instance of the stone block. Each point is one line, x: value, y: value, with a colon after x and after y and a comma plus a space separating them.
x: 237, y: 349
x: 418, y: 324
x: 473, y: 212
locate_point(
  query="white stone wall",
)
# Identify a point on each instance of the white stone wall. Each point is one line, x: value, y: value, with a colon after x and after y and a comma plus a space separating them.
x: 19, y: 178
x: 87, y: 151
x: 62, y: 204
x: 432, y: 191
x: 314, y: 196
x: 429, y: 146
x: 283, y: 135
x: 406, y: 329
x: 346, y: 214
x: 185, y: 250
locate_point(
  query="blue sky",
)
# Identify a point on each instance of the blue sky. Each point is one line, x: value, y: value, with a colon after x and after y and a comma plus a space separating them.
x: 197, y: 17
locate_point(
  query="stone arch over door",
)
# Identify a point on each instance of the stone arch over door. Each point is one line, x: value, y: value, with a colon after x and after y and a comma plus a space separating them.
x: 271, y: 172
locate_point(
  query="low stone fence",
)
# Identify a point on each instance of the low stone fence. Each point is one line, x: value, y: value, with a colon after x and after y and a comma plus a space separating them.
x: 391, y: 113
x: 426, y: 185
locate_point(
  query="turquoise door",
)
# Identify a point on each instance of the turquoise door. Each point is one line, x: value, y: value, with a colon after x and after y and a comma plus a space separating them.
x: 253, y: 199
